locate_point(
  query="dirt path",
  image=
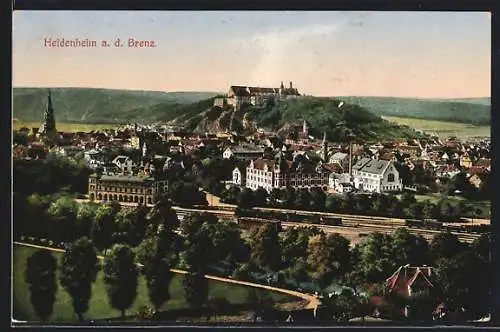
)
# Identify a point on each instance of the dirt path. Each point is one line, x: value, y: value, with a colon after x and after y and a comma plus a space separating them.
x: 313, y: 302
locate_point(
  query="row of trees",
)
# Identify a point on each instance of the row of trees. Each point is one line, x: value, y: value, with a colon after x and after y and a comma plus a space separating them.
x: 158, y: 249
x: 306, y: 254
x: 297, y: 255
x: 51, y: 175
x: 367, y: 204
x: 78, y: 271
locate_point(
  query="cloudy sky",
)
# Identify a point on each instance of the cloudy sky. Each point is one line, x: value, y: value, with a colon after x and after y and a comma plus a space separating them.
x: 426, y: 54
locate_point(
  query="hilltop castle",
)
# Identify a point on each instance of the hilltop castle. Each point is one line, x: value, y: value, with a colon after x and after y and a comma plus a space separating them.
x: 239, y: 95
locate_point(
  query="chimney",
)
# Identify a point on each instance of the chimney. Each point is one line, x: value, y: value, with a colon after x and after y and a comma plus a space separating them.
x: 291, y: 86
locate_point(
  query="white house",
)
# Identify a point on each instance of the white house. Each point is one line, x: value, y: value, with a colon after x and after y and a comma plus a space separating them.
x: 243, y: 152
x: 376, y: 176
x: 239, y: 176
x: 123, y: 163
x: 340, y: 158
x: 341, y: 183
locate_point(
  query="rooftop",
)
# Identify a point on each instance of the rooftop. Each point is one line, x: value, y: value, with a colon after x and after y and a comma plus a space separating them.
x: 124, y: 178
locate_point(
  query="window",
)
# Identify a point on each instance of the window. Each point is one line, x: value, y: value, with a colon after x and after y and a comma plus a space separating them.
x: 390, y: 177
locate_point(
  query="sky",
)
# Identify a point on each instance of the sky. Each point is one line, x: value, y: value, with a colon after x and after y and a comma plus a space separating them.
x: 399, y: 54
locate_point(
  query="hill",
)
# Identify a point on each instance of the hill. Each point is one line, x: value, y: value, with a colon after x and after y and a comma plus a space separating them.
x: 322, y: 114
x: 84, y: 105
x: 468, y: 110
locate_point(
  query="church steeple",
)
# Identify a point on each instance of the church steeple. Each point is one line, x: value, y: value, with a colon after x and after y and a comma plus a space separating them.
x: 325, y: 148
x: 49, y: 123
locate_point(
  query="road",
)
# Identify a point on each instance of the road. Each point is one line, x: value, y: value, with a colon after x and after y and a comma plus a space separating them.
x: 312, y: 301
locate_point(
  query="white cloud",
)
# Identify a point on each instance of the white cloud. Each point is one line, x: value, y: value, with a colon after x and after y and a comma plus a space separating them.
x: 287, y: 53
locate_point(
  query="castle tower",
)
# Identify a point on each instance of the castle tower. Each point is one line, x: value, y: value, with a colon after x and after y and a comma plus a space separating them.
x: 325, y: 149
x: 305, y: 130
x: 282, y: 89
x: 48, y: 127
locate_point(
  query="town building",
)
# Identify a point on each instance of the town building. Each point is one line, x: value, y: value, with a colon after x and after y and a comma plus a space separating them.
x: 376, y: 176
x: 126, y: 188
x: 408, y: 281
x: 302, y: 172
x: 243, y: 152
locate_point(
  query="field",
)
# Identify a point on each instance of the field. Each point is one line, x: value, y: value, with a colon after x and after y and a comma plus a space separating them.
x: 99, y: 307
x: 66, y: 127
x: 442, y: 128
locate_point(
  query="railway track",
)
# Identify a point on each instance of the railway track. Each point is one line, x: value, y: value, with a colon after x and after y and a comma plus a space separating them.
x: 350, y: 223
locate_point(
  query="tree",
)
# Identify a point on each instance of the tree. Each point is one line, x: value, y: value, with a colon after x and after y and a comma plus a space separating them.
x: 409, y: 248
x: 446, y: 210
x: 231, y: 194
x: 303, y: 199
x: 78, y: 271
x: 328, y: 257
x: 342, y: 305
x: 40, y: 275
x: 130, y: 225
x: 63, y: 215
x: 121, y: 277
x: 260, y: 197
x: 195, y: 289
x: 103, y: 228
x: 274, y: 197
x: 147, y: 250
x: 84, y: 219
x: 226, y: 239
x: 294, y: 243
x: 288, y: 197
x: 457, y: 277
x: 376, y: 257
x: 158, y: 278
x: 246, y: 198
x: 333, y: 203
x: 397, y: 210
x: 381, y: 205
x: 265, y: 246
x: 407, y: 199
x: 444, y: 245
x: 416, y: 211
x: 430, y: 210
x: 163, y: 215
x: 318, y: 199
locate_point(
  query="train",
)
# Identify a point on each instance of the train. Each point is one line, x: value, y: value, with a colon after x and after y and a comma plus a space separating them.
x: 289, y: 217
x: 248, y: 222
x: 433, y: 224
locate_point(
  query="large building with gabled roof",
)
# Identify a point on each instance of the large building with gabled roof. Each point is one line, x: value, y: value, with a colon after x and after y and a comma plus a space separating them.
x: 378, y: 176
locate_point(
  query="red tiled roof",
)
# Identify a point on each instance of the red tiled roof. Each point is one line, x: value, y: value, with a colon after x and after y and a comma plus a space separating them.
x: 406, y: 276
x: 475, y: 170
x: 335, y: 168
x: 483, y: 162
x: 260, y: 163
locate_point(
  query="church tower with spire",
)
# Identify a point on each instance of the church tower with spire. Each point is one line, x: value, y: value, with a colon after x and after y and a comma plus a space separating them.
x: 324, y: 152
x: 48, y: 128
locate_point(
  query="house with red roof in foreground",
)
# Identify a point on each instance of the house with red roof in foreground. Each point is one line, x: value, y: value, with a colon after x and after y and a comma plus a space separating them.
x: 408, y: 281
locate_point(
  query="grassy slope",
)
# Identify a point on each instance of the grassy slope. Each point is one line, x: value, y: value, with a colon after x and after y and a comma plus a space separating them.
x: 443, y: 128
x: 98, y: 105
x: 98, y: 306
x: 474, y: 110
x: 324, y: 115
